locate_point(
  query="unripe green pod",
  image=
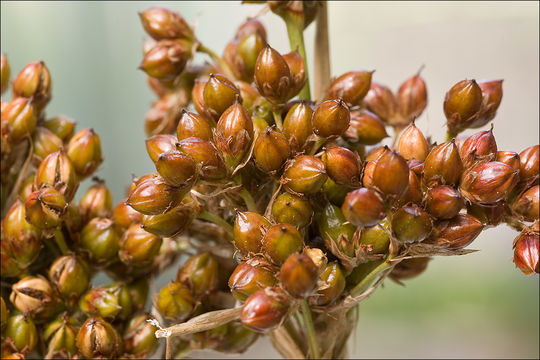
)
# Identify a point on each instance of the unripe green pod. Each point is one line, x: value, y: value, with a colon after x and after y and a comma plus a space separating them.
x: 271, y: 150
x: 153, y: 196
x: 409, y: 268
x: 161, y: 23
x: 138, y: 247
x: 57, y: 171
x: 125, y: 301
x: 280, y: 241
x: 175, y: 302
x: 70, y: 276
x: 292, y: 209
x: 45, y: 208
x: 391, y: 174
x: 342, y: 165
x: 377, y: 237
x: 461, y: 105
x: 167, y: 58
x: 100, y: 301
x: 365, y: 128
x: 96, y: 201
x: 20, y: 115
x: 159, y: 144
x: 206, y: 156
x: 139, y: 336
x: 200, y: 273
x: 412, y: 144
x: 335, y: 193
x: 411, y: 224
x: 22, y: 331
x: 305, y: 174
x: 61, y: 336
x: 219, y: 94
x: 100, y: 240
x: 331, y: 118
x: 84, y: 151
x: 45, y: 143
x: 272, y: 76
x: 247, y: 51
x: 457, y: 232
x: 249, y: 228
x: 297, y: 125
x: 363, y: 207
x: 169, y: 224
x: 265, y: 309
x: 35, y: 296
x: 98, y: 338
x: 443, y: 165
x: 298, y: 275
x: 249, y: 277
x: 352, y: 87
x: 60, y: 125
x: 333, y: 225
x: 488, y: 183
x: 443, y: 202
x: 193, y: 125
x: 333, y: 284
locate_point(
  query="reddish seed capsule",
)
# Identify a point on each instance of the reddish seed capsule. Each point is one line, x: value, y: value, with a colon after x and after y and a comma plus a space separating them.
x: 193, y: 125
x: 45, y: 208
x: 342, y: 165
x: 158, y: 144
x: 478, y: 147
x: 413, y: 194
x: 57, y: 171
x: 527, y: 204
x: 33, y: 82
x: 273, y: 76
x: 161, y: 23
x: 411, y: 224
x: 124, y: 215
x: 352, y: 87
x: 138, y: 247
x: 457, y: 232
x: 233, y: 134
x: 409, y: 268
x: 412, y: 98
x: 509, y: 158
x: 492, y: 95
x: 249, y: 228
x: 176, y: 168
x: 298, y: 74
x: 154, y: 196
x: 391, y: 174
x: 462, y: 104
x: 265, y: 309
x: 381, y: 101
x: 280, y: 241
x: 365, y: 128
x: 219, y: 94
x: 206, y: 156
x: 292, y: 209
x: 530, y: 158
x: 305, y: 174
x: 488, y: 182
x: 249, y: 277
x: 5, y: 72
x: 363, y: 207
x: 271, y: 150
x: 297, y: 125
x: 444, y: 202
x: 376, y: 153
x: 331, y: 118
x: 298, y: 275
x: 84, y: 151
x: 412, y: 144
x: 443, y: 165
x: 526, y: 252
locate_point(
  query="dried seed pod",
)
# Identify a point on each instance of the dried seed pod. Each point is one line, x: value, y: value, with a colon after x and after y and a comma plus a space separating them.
x: 412, y: 97
x: 219, y: 94
x: 139, y: 336
x: 298, y: 73
x: 352, y: 87
x: 331, y: 118
x: 489, y: 215
x: 161, y: 23
x: 124, y: 215
x: 167, y: 59
x: 158, y: 144
x: 376, y: 238
x: 249, y: 277
x: 492, y: 95
x: 96, y: 201
x: 292, y: 209
x: 412, y: 144
x: 33, y: 82
x: 138, y: 247
x: 530, y: 159
x: 342, y: 165
x: 391, y: 174
x: 61, y: 335
x: 381, y: 101
x: 70, y: 277
x: 462, y: 104
x: 509, y: 158
x: 192, y: 125
x: 457, y: 232
x: 35, y: 296
x: 21, y: 117
x: 488, y: 182
x: 45, y: 143
x: 413, y: 194
x: 443, y: 165
x: 409, y: 268
x: 365, y: 128
x: 363, y: 207
x: 444, y: 202
x: 100, y: 240
x: 297, y: 125
x: 298, y: 275
x: 171, y: 223
x: 272, y: 76
x: 305, y: 174
x: 265, y: 309
x: 527, y: 204
x: 249, y: 228
x: 57, y: 171
x: 206, y: 156
x: 101, y: 301
x: 60, y: 125
x: 526, y: 252
x: 84, y: 151
x: 271, y: 150
x: 175, y: 302
x: 478, y: 147
x: 411, y: 224
x: 333, y: 284
x: 45, y: 208
x: 176, y: 168
x: 22, y: 331
x: 251, y: 26
x: 98, y: 338
x: 200, y: 273
x: 5, y: 71
x: 280, y: 241
x: 153, y: 196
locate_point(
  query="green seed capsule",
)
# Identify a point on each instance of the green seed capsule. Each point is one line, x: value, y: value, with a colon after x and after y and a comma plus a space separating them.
x: 139, y: 336
x: 61, y: 335
x: 175, y: 302
x: 100, y: 301
x: 292, y: 209
x: 33, y: 82
x: 45, y: 143
x: 70, y: 276
x: 100, y: 240
x: 297, y: 125
x: 98, y: 338
x: 280, y: 241
x: 249, y: 228
x: 333, y: 225
x: 249, y: 277
x: 22, y: 331
x: 377, y: 237
x: 219, y: 94
x: 360, y: 272
x: 411, y: 224
x: 333, y: 284
x: 200, y: 273
x: 84, y: 151
x: 138, y: 247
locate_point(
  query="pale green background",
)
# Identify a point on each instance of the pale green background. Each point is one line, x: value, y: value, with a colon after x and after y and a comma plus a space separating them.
x: 477, y: 306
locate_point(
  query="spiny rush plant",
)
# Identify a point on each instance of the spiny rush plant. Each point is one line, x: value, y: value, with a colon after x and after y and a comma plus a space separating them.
x: 285, y: 210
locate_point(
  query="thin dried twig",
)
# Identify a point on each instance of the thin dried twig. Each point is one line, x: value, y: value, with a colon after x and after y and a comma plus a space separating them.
x: 322, y: 52
x: 286, y: 346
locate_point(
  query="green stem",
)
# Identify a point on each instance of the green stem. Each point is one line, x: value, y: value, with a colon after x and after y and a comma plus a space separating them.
x: 295, y: 30
x: 213, y: 218
x: 277, y: 119
x: 61, y: 241
x: 222, y: 64
x: 366, y: 282
x: 316, y: 145
x: 246, y: 196
x: 314, y: 350
x: 449, y: 136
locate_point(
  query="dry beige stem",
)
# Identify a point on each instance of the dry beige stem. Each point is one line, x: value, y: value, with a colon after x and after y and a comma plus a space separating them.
x: 322, y: 52
x: 286, y: 346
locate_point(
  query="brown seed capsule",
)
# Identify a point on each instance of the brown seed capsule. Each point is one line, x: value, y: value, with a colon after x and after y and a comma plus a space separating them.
x: 412, y: 98
x: 176, y: 168
x: 198, y: 98
x: 171, y: 223
x: 363, y: 207
x: 462, y: 104
x: 488, y: 182
x: 33, y: 82
x: 443, y: 165
x: 158, y: 144
x: 298, y: 73
x: 20, y: 115
x: 200, y: 273
x: 376, y: 238
x: 413, y: 194
x: 457, y: 232
x: 154, y: 196
x: 101, y: 301
x: 305, y: 174
x: 342, y: 165
x: 298, y: 275
x: 100, y: 240
x: 249, y: 95
x: 61, y: 335
x: 478, y: 147
x: 265, y: 309
x: 409, y: 268
x: 167, y: 59
x: 26, y: 187
x: 509, y: 158
x: 271, y: 150
x: 365, y: 128
x: 5, y: 71
x: 45, y: 143
x: 251, y: 26
x: 527, y: 204
x: 175, y: 302
x: 530, y: 159
x: 381, y: 101
x: 333, y: 284
x: 297, y: 125
x: 272, y: 76
x: 124, y: 216
x: 98, y: 338
x: 57, y: 171
x: 352, y: 87
x: 241, y: 54
x: 161, y: 23
x: 70, y: 277
x: 376, y: 153
x: 331, y: 118
x: 84, y: 151
x: 492, y: 95
x: 280, y: 241
x: 411, y: 224
x: 249, y: 277
x: 444, y: 202
x: 292, y: 209
x: 219, y: 94
x: 249, y: 228
x: 162, y: 118
x: 391, y: 174
x: 138, y: 247
x: 96, y: 201
x: 206, y: 156
x: 22, y: 331
x: 139, y: 336
x: 34, y: 295
x: 412, y: 144
x: 526, y: 252
x: 192, y: 124
x: 489, y: 215
x: 45, y: 208
x: 60, y: 125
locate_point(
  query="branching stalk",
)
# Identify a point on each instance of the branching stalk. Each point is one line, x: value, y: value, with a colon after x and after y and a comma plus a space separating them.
x: 61, y: 241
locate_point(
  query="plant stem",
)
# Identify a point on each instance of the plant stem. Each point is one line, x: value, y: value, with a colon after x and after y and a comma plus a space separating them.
x: 246, y: 196
x: 322, y: 52
x: 61, y: 241
x: 222, y: 64
x: 316, y: 145
x: 449, y: 136
x: 314, y: 350
x: 366, y: 282
x: 277, y: 119
x: 295, y: 30
x: 218, y: 220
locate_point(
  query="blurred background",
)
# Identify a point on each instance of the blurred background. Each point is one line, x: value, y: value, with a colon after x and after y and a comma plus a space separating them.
x: 476, y: 306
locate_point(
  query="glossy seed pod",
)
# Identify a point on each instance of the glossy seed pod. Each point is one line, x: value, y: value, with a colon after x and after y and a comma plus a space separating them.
x: 443, y: 165
x: 413, y: 194
x: 26, y: 187
x: 158, y: 144
x: 376, y: 153
x: 334, y: 227
x: 98, y: 338
x: 412, y: 144
x: 381, y: 101
x: 488, y: 183
x: 271, y: 150
x: 251, y: 276
x: 509, y: 158
x: 57, y: 171
x: 409, y: 268
x: 335, y: 193
x: 342, y: 165
x: 457, y: 232
x: 22, y: 331
x: 60, y: 125
x: 153, y: 196
x: 527, y: 204
x: 206, y: 156
x: 172, y: 223
x: 292, y: 209
x: 249, y: 229
x: 101, y: 301
x: 234, y: 134
x: 333, y: 284
x: 478, y: 147
x: 21, y: 116
x: 84, y: 151
x: 70, y: 277
x: 331, y: 118
x: 175, y: 302
x: 391, y: 174
x: 280, y: 241
x: 297, y: 125
x: 305, y: 174
x: 35, y: 296
x: 377, y: 238
x: 45, y: 208
x: 61, y: 335
x: 192, y: 125
x: 412, y: 97
x: 124, y: 215
x: 265, y: 309
x: 530, y: 159
x: 489, y: 215
x: 272, y: 76
x: 352, y: 87
x: 200, y: 273
x: 365, y: 128
x: 33, y: 82
x: 298, y: 72
x: 161, y: 23
x: 246, y: 53
x: 45, y: 143
x: 139, y: 336
x: 492, y: 95
x: 176, y: 168
x: 219, y: 94
x: 138, y: 247
x: 251, y: 98
x: 167, y: 59
x: 96, y: 201
x: 100, y: 240
x: 461, y: 105
x: 527, y: 252
x: 298, y: 275
x: 443, y: 202
x: 363, y: 207
x: 251, y: 26
x: 5, y: 73
x: 411, y: 224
